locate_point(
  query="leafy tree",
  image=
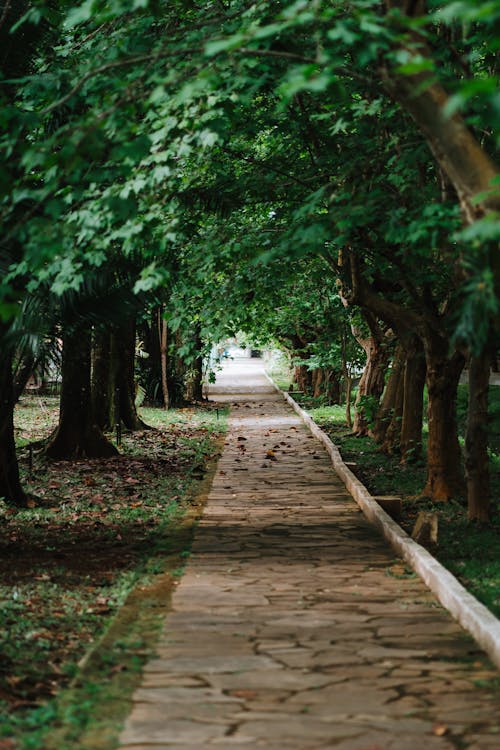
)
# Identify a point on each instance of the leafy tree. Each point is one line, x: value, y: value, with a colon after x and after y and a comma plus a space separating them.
x: 18, y: 44
x: 211, y: 137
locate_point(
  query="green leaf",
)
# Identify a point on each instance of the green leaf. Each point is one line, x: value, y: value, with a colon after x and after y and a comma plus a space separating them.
x: 304, y: 78
x: 151, y: 278
x: 33, y: 15
x: 208, y: 138
x: 80, y: 14
x: 224, y: 45
x: 341, y: 32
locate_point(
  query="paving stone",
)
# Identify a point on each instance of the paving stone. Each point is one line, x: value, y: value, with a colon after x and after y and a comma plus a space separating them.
x: 373, y: 740
x: 176, y: 694
x: 170, y: 731
x: 290, y: 727
x: 287, y: 633
x: 345, y: 699
x: 277, y: 679
x: 209, y: 664
x: 209, y: 711
x: 483, y: 742
x: 160, y: 679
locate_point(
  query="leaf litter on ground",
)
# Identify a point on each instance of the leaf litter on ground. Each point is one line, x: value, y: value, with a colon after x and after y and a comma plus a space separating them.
x: 99, y: 526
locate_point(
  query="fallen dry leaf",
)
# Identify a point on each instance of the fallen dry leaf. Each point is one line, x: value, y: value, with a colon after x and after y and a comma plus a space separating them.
x: 440, y: 729
x: 249, y: 694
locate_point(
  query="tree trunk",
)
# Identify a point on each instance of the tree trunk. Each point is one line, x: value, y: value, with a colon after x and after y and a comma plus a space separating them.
x: 444, y: 459
x: 163, y: 339
x: 468, y: 167
x: 332, y: 387
x: 346, y: 374
x: 11, y: 491
x: 195, y: 379
x: 77, y: 435
x: 372, y: 381
x: 386, y: 409
x: 476, y: 440
x: 196, y: 382
x: 317, y: 377
x: 392, y: 437
x: 348, y: 391
x: 150, y: 366
x: 413, y: 402
x: 302, y: 377
x: 444, y: 473
x: 103, y: 380
x: 125, y: 347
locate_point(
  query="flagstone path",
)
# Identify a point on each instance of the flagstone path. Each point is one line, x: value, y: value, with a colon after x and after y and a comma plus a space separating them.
x: 294, y: 626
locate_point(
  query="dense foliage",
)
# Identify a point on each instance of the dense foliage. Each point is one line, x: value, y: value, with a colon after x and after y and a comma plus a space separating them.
x: 293, y: 169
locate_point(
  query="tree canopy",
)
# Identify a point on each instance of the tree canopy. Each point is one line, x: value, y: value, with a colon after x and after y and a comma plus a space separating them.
x: 250, y: 164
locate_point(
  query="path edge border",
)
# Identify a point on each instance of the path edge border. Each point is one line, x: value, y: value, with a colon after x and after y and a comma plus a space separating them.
x: 473, y: 616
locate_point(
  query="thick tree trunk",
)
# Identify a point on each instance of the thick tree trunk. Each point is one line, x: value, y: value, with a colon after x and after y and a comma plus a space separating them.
x: 466, y: 164
x: 332, y: 387
x: 372, y: 381
x: 326, y: 384
x: 125, y: 346
x: 302, y: 377
x: 11, y: 491
x: 150, y: 366
x: 196, y: 381
x: 103, y: 380
x: 468, y: 167
x: 413, y: 402
x: 476, y: 440
x: 387, y: 405
x: 77, y: 435
x: 392, y: 438
x: 317, y: 377
x: 444, y: 458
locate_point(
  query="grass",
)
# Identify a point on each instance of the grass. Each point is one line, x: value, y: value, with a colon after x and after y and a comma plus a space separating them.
x: 96, y: 559
x: 471, y: 551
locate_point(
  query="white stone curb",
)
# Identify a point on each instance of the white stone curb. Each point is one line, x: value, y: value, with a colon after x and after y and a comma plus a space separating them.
x: 465, y: 608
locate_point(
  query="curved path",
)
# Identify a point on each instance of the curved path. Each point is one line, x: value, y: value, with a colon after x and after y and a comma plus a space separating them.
x: 294, y: 626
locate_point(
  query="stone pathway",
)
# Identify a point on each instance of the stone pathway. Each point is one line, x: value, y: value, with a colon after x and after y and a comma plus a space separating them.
x: 294, y: 625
